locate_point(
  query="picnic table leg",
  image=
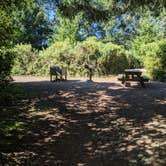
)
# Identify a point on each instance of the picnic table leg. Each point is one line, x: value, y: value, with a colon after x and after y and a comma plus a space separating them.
x: 123, y: 79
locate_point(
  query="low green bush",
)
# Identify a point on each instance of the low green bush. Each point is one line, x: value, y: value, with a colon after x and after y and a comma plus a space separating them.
x: 24, y: 59
x: 114, y: 59
x: 84, y: 53
x: 57, y: 55
x: 106, y: 58
x: 6, y: 58
x: 154, y: 60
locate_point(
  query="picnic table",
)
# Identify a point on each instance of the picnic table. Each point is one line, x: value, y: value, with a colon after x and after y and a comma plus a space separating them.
x: 133, y: 75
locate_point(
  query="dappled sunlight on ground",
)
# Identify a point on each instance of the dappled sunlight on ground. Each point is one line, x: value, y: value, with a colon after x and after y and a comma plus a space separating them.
x: 98, y: 123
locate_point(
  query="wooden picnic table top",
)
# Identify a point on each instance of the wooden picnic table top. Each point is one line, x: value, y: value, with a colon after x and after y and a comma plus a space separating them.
x: 133, y: 70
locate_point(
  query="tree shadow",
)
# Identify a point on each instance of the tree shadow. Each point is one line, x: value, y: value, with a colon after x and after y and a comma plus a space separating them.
x: 94, y: 123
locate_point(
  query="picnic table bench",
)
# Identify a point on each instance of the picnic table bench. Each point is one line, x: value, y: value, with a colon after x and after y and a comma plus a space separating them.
x: 133, y: 75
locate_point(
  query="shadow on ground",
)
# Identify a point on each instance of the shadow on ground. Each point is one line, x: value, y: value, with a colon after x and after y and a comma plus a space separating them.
x: 99, y: 123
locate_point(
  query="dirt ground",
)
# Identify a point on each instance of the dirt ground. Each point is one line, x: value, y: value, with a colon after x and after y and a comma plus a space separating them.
x: 100, y: 123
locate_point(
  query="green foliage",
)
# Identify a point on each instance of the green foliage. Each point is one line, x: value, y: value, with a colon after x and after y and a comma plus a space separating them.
x: 149, y: 30
x: 6, y: 61
x: 6, y: 33
x: 127, y: 48
x: 121, y: 30
x: 67, y: 29
x: 99, y: 10
x: 84, y: 53
x: 107, y: 58
x: 29, y: 61
x: 114, y: 59
x: 56, y: 54
x: 154, y: 60
x: 25, y: 56
x: 92, y: 10
x: 148, y: 47
x: 34, y: 25
x: 7, y: 37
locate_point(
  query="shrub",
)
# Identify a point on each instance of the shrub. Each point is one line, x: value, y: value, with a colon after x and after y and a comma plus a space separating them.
x: 6, y: 61
x: 56, y: 54
x: 114, y: 59
x: 155, y: 60
x: 152, y: 65
x: 24, y: 59
x: 86, y: 52
x: 107, y: 58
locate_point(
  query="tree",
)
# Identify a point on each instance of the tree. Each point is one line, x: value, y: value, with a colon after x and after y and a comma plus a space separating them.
x: 35, y: 26
x: 6, y: 38
x: 8, y: 29
x: 66, y: 29
x: 149, y: 30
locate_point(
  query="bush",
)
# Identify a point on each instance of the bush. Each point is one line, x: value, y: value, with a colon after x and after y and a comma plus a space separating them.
x: 107, y: 58
x: 154, y: 60
x: 57, y: 54
x: 6, y: 61
x: 152, y: 65
x: 84, y: 53
x: 24, y: 59
x: 114, y: 59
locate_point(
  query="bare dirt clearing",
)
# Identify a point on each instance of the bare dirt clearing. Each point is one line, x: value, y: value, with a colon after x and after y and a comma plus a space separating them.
x: 96, y: 123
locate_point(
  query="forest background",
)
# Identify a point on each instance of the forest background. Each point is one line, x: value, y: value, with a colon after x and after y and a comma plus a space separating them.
x: 110, y: 34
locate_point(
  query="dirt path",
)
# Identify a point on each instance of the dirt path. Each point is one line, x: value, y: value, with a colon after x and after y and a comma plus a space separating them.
x: 93, y: 124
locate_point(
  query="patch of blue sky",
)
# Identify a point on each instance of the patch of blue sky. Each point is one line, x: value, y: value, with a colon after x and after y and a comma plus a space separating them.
x: 99, y: 34
x: 52, y: 15
x: 95, y: 25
